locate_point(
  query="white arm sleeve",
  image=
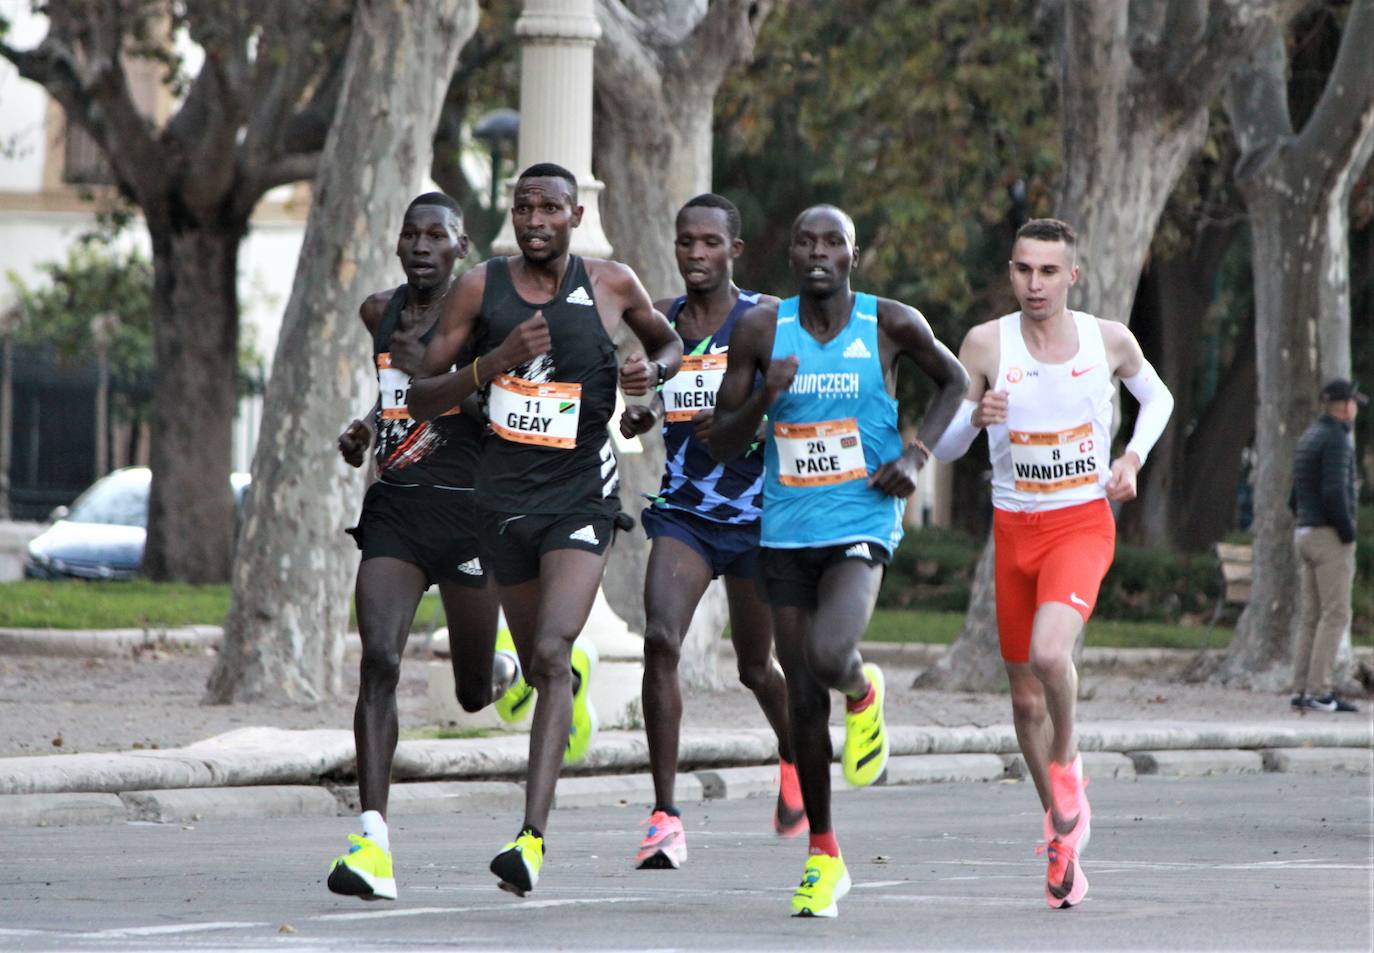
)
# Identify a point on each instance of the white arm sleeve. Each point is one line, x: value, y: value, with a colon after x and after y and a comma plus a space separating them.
x: 1156, y: 404
x: 959, y: 435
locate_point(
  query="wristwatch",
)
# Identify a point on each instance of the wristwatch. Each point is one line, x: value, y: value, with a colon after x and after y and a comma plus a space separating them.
x: 662, y: 373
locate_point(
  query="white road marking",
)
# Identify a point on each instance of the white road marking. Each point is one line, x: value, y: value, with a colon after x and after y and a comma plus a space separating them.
x: 167, y: 929
x: 423, y: 911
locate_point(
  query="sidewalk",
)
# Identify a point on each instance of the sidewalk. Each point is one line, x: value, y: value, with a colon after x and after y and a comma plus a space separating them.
x: 271, y: 771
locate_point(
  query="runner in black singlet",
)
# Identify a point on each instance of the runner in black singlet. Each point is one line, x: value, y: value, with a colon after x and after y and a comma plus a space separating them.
x: 418, y: 527
x: 543, y: 322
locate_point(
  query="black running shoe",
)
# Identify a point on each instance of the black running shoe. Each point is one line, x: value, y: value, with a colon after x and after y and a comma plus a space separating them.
x: 1336, y: 702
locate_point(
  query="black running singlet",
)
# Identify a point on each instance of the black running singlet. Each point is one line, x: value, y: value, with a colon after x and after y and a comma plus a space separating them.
x: 441, y: 452
x: 549, y: 449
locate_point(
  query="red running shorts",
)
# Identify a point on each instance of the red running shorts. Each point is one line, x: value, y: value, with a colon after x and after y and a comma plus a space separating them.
x: 1048, y: 556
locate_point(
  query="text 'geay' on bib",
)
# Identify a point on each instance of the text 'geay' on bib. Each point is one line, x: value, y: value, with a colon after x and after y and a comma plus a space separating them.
x: 544, y: 415
x: 1049, y: 462
x: 819, y: 454
x: 693, y: 388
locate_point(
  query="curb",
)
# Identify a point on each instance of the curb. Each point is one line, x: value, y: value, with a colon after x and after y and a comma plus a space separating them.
x: 268, y: 772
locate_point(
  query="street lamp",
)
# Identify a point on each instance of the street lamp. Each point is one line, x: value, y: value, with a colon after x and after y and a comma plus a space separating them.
x: 495, y: 129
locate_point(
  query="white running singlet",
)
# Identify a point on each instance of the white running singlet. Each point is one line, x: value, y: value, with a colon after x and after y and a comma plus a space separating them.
x: 1054, y: 450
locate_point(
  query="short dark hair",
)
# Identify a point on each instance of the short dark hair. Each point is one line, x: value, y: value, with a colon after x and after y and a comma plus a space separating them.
x: 438, y: 199
x: 551, y: 170
x: 1048, y: 230
x: 733, y: 223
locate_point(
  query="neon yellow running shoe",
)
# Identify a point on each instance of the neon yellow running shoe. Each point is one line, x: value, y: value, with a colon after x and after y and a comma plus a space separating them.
x: 518, y: 864
x: 518, y: 700
x: 865, y: 735
x: 364, y: 872
x: 824, y: 883
x: 584, y: 726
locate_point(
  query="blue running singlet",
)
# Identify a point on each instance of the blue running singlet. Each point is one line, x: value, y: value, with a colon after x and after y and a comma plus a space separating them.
x: 728, y: 492
x: 827, y: 434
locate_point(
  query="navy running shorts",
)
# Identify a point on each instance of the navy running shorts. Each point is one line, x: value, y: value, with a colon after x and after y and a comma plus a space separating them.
x: 728, y: 548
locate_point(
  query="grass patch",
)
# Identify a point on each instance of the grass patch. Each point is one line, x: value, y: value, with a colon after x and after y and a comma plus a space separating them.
x: 941, y: 628
x: 137, y: 603
x: 75, y: 604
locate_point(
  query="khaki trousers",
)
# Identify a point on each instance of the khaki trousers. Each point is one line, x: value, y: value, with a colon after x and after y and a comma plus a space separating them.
x: 1326, y: 575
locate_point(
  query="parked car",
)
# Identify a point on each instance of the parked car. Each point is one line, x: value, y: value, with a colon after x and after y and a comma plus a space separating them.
x: 101, y: 535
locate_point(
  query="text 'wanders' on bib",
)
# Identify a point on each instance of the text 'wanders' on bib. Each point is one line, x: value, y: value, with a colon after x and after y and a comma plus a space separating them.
x: 1048, y: 462
x: 544, y: 415
x: 819, y: 454
x: 693, y: 388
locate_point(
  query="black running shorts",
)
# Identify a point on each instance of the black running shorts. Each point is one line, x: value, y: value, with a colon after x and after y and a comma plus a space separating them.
x: 515, y: 542
x: 431, y: 527
x: 792, y: 577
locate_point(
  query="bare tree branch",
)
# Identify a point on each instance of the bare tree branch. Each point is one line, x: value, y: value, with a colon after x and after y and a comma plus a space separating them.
x: 296, y: 167
x: 723, y: 38
x: 1345, y: 113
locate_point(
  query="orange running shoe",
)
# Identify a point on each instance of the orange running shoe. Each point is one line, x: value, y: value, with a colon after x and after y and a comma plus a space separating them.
x: 789, y: 816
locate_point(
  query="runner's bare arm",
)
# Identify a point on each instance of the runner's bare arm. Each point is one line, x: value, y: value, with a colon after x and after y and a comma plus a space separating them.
x: 739, y: 407
x: 435, y: 388
x: 661, y: 343
x: 356, y: 438
x: 981, y: 405
x: 905, y: 331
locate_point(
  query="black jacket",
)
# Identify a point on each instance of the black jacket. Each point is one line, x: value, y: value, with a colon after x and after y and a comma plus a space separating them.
x: 1324, y: 477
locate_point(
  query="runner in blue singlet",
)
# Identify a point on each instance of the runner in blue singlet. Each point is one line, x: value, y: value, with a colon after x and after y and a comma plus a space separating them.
x: 704, y: 524
x: 836, y: 476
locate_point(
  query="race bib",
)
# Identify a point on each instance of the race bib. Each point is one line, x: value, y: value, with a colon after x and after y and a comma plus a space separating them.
x: 544, y: 415
x: 819, y: 454
x: 1049, y: 462
x: 394, y: 385
x: 693, y: 388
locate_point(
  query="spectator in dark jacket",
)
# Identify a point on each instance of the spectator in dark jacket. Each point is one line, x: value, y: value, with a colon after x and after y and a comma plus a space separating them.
x: 1324, y: 503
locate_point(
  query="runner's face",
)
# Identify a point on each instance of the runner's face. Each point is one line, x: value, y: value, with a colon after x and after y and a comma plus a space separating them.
x: 1041, y: 275
x: 705, y: 251
x: 431, y: 241
x: 822, y: 252
x: 544, y: 216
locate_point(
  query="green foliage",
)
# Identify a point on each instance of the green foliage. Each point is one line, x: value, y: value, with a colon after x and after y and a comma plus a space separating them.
x: 931, y: 569
x: 97, y: 295
x: 913, y: 117
x: 1156, y: 585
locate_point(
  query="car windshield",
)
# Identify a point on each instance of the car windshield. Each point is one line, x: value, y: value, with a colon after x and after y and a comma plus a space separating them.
x: 120, y: 499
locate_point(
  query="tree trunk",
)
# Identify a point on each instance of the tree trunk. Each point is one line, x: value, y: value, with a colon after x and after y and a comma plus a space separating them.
x: 1213, y: 456
x: 195, y: 331
x: 1297, y: 188
x: 973, y: 662
x: 659, y: 65
x: 289, y: 611
x: 1134, y: 90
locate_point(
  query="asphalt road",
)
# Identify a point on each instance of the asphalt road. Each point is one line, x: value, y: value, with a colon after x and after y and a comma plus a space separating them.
x: 1258, y: 862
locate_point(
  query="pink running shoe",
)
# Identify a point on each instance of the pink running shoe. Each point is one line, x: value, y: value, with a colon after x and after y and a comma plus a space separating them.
x: 1065, y: 883
x: 789, y: 816
x: 665, y: 844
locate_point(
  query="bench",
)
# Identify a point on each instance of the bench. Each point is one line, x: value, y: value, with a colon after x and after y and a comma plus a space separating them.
x: 1237, y: 562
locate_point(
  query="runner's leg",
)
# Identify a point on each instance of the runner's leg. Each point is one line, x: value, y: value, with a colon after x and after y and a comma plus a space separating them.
x: 751, y: 631
x: 568, y: 582
x: 472, y: 615
x: 1033, y: 729
x: 673, y: 585
x: 387, y: 592
x: 808, y: 712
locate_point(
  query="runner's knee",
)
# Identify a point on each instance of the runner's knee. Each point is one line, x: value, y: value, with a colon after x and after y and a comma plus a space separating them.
x: 1027, y: 703
x: 474, y: 694
x: 381, y: 667
x: 831, y: 666
x: 550, y: 663
x: 754, y: 675
x: 661, y: 643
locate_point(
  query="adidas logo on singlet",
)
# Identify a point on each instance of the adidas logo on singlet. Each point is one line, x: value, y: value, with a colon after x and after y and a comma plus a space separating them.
x: 585, y: 535
x: 858, y: 550
x: 473, y: 567
x: 579, y: 296
x: 857, y: 348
